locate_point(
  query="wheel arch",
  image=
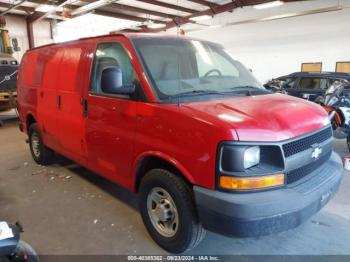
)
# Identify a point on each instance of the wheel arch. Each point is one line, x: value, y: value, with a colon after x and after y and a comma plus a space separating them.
x: 30, y: 119
x: 151, y: 160
x: 340, y: 117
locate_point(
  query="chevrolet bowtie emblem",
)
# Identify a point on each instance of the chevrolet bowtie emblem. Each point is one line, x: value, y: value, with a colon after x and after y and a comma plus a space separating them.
x: 316, y: 152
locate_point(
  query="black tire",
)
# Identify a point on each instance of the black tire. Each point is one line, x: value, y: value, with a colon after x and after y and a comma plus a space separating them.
x: 25, y: 250
x: 348, y: 141
x: 189, y: 232
x: 44, y: 155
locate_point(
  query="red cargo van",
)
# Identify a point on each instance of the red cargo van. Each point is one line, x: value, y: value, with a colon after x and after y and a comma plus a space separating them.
x: 185, y: 125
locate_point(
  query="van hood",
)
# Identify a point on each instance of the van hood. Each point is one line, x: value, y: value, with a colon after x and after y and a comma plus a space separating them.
x: 272, y: 117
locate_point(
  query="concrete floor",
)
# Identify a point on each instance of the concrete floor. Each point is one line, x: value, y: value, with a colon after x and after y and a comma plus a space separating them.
x: 66, y: 209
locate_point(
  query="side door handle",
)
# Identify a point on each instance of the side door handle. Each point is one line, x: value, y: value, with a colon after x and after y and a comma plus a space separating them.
x: 59, y: 102
x: 85, y: 107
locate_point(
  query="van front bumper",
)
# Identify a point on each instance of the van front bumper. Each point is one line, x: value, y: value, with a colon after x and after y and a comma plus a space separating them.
x: 261, y: 213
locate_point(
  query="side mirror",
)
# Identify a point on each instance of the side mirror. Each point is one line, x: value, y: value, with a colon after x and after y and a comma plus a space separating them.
x: 15, y: 45
x: 112, y: 82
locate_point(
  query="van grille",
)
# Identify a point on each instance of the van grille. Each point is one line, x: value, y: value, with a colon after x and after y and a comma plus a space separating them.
x: 303, y: 171
x: 304, y: 143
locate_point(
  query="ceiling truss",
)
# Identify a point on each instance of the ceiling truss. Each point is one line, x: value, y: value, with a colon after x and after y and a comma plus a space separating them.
x: 157, y: 11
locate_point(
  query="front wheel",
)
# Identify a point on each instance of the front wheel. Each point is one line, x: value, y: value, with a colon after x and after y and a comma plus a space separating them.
x: 168, y: 211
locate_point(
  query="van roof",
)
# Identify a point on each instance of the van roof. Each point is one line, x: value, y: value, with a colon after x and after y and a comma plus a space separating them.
x: 126, y: 35
x: 322, y: 74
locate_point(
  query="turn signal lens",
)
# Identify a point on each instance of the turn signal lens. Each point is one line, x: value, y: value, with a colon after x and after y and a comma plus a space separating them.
x: 246, y: 183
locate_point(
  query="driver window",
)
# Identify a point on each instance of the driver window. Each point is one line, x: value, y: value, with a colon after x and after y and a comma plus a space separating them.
x: 310, y: 83
x: 114, y: 57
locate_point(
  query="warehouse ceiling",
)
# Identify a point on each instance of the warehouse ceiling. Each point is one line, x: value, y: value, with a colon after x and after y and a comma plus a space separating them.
x: 134, y: 15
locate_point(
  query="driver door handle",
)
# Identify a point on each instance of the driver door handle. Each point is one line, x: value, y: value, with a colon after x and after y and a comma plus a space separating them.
x: 59, y: 102
x: 85, y: 108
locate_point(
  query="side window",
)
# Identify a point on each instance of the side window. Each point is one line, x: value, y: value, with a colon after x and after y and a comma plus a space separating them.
x: 323, y: 84
x: 112, y: 70
x: 311, y: 83
x: 289, y: 82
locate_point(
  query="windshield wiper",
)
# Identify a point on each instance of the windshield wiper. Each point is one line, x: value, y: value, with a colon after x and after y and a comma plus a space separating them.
x: 245, y: 87
x: 199, y: 92
x: 248, y: 89
x: 229, y: 91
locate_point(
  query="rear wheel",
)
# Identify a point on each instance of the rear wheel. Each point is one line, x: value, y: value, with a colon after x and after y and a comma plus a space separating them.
x: 168, y: 211
x: 24, y: 252
x: 41, y: 154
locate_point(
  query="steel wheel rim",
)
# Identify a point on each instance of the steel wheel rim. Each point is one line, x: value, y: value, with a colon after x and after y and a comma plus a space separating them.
x: 35, y: 141
x: 162, y: 212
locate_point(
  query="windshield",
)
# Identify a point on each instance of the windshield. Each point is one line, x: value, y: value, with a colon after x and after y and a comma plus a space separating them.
x: 181, y: 67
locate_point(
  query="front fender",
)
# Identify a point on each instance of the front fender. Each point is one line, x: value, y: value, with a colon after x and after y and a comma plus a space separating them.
x: 171, y: 160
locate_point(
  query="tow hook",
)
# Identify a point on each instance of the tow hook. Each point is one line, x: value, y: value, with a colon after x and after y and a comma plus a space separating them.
x: 326, y: 196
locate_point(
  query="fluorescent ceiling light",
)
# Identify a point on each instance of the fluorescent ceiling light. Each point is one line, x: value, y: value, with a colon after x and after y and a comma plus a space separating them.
x: 88, y: 25
x: 201, y: 18
x: 45, y: 8
x: 92, y: 6
x: 268, y: 5
x: 155, y: 26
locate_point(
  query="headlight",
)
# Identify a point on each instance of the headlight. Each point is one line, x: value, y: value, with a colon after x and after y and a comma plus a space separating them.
x: 244, y: 166
x: 251, y: 157
x: 237, y: 158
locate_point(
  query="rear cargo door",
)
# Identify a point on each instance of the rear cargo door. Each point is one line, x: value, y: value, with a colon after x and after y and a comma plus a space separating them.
x: 45, y: 77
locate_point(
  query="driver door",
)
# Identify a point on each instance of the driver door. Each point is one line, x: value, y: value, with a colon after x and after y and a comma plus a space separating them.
x: 110, y: 118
